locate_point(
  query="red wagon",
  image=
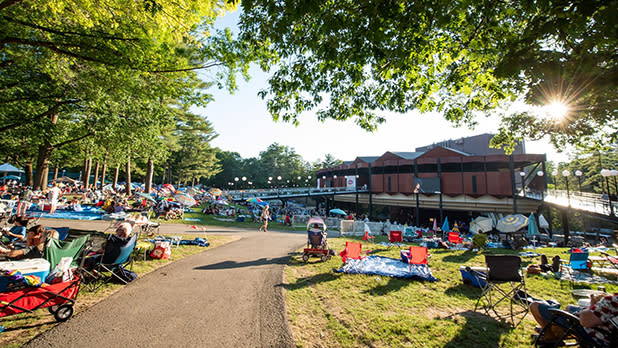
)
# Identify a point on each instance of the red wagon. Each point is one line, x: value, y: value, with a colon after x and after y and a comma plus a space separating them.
x: 59, y: 298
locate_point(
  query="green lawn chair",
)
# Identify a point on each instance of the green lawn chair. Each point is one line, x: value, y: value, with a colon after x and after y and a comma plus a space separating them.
x: 57, y: 249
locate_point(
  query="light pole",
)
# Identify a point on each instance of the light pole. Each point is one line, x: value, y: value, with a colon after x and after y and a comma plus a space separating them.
x: 566, y: 174
x: 335, y: 180
x: 606, y: 173
x: 614, y: 173
x: 523, y: 183
x: 578, y: 174
x: 244, y: 179
x: 324, y: 180
x: 540, y: 173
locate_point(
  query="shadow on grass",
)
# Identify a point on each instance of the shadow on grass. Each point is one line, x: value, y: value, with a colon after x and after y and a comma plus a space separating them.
x: 466, y: 290
x: 310, y: 281
x: 479, y: 330
x: 461, y: 258
x: 393, y: 284
x: 259, y: 262
x: 25, y: 327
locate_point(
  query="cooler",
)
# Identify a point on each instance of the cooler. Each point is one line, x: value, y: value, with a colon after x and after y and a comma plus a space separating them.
x: 36, y: 267
x: 469, y: 278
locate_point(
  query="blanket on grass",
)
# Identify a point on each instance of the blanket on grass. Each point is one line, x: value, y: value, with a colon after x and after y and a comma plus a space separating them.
x: 386, y: 266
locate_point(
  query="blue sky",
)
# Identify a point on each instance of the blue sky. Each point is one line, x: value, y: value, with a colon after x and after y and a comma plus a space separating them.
x: 244, y: 126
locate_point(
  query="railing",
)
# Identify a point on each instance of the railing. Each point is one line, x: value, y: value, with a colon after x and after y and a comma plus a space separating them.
x: 591, y: 202
x: 283, y: 192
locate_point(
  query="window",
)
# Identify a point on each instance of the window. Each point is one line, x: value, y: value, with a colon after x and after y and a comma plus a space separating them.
x: 474, y: 188
x: 389, y: 184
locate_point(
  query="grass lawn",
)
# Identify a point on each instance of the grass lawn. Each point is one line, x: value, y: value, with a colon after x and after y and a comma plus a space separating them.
x: 328, y: 309
x: 21, y: 328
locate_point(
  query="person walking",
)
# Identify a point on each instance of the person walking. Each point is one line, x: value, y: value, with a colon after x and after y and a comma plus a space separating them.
x: 265, y: 217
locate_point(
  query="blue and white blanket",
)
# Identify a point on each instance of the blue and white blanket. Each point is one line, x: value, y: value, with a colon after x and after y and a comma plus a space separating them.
x: 386, y: 266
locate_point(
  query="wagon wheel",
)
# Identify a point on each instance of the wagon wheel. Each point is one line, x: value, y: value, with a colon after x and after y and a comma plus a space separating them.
x: 305, y: 257
x: 324, y: 257
x: 64, y: 312
x: 52, y: 309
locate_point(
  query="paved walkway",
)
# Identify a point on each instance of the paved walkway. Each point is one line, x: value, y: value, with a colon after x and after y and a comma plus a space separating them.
x: 229, y: 296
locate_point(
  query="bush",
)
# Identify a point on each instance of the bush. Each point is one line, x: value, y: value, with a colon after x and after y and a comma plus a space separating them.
x: 479, y: 240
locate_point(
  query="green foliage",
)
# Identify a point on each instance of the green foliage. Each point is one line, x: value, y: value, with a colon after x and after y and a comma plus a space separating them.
x: 479, y: 240
x: 353, y: 59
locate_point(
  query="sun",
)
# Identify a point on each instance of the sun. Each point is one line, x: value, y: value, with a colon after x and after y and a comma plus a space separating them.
x: 556, y: 109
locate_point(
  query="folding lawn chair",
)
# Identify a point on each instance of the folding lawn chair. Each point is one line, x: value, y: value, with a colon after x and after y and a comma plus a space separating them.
x: 116, y: 256
x: 574, y: 333
x: 367, y: 237
x: 395, y: 237
x: 503, y: 283
x: 352, y: 251
x: 453, y: 237
x: 578, y: 261
x: 416, y: 256
x: 57, y: 249
x: 612, y: 260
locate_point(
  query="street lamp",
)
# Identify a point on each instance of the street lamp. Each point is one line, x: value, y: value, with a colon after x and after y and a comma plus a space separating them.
x: 540, y: 173
x: 614, y: 173
x: 523, y: 183
x: 606, y: 173
x: 244, y: 179
x: 566, y: 174
x: 578, y: 174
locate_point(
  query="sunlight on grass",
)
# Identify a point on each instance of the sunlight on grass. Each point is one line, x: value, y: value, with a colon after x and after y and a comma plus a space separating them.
x: 328, y: 309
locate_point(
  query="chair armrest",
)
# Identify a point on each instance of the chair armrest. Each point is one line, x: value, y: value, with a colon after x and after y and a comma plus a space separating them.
x: 560, y: 313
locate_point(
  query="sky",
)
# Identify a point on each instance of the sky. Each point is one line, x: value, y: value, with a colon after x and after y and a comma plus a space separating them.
x: 245, y: 126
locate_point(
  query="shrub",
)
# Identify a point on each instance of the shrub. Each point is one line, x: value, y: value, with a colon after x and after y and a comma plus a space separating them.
x: 479, y: 240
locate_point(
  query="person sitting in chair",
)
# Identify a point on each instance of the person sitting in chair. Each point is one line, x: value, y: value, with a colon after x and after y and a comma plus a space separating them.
x: 36, y: 239
x: 601, y: 311
x: 17, y: 233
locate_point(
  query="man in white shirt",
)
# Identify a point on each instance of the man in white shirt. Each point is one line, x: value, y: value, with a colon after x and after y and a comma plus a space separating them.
x: 52, y: 196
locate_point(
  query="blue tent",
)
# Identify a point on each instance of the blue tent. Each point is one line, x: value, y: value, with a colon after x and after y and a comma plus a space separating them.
x: 7, y: 168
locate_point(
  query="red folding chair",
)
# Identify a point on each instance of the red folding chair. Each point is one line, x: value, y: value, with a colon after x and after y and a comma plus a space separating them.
x: 367, y: 237
x: 352, y: 251
x: 417, y: 255
x: 453, y: 237
x: 395, y: 237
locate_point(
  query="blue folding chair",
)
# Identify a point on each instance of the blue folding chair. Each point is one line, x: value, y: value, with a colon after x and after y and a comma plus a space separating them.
x: 578, y: 261
x: 111, y: 265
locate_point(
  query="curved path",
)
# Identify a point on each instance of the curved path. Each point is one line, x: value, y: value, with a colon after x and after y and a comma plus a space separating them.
x: 229, y: 296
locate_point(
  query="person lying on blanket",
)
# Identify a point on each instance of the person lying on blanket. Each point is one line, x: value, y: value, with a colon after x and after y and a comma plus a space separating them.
x: 602, y: 309
x: 36, y: 239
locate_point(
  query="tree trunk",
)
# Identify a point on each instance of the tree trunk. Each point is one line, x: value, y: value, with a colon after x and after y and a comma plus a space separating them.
x: 42, y: 166
x: 103, y: 172
x: 56, y: 172
x: 115, y: 181
x: 96, y: 175
x: 82, y: 173
x: 128, y: 185
x: 28, y: 168
x: 87, y: 173
x: 149, y: 172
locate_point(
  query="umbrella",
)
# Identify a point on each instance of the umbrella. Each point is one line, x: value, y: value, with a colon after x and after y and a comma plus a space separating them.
x: 338, y: 212
x: 445, y: 226
x: 146, y: 196
x: 220, y: 201
x: 215, y: 191
x: 543, y: 222
x: 7, y: 168
x: 481, y: 224
x: 185, y: 199
x: 170, y: 187
x: 435, y: 224
x: 65, y: 179
x: 533, y: 230
x: 192, y: 191
x: 254, y: 200
x: 512, y: 223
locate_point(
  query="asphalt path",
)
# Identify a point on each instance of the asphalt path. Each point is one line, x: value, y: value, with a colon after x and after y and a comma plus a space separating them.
x: 229, y: 296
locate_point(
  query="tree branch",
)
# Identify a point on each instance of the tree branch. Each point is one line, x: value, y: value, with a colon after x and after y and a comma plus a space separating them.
x: 8, y: 3
x: 49, y: 111
x: 207, y: 66
x: 65, y: 33
x: 61, y: 144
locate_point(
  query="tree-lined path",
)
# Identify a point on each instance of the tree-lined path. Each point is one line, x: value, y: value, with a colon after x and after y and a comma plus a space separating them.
x: 229, y: 296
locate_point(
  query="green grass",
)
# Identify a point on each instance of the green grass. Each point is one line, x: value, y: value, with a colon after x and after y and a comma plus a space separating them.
x: 21, y: 328
x: 328, y: 309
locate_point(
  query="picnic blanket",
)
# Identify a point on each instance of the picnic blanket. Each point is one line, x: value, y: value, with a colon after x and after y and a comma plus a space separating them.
x: 386, y: 266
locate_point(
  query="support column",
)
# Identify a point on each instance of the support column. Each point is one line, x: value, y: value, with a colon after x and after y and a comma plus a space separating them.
x: 416, y: 191
x: 370, y: 213
x: 513, y: 193
x: 440, y: 180
x: 565, y: 225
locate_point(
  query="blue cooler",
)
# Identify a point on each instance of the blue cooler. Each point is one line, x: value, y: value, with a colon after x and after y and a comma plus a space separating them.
x: 469, y: 278
x: 35, y: 267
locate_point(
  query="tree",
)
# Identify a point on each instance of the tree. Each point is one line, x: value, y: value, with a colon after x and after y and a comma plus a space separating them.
x: 355, y: 58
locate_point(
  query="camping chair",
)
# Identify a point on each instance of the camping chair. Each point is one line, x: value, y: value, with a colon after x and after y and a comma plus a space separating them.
x: 57, y: 249
x: 578, y: 261
x: 352, y: 251
x: 367, y: 237
x: 453, y: 237
x: 574, y: 333
x: 502, y: 283
x: 612, y: 260
x: 395, y: 237
x: 63, y: 232
x: 416, y: 256
x: 116, y: 256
